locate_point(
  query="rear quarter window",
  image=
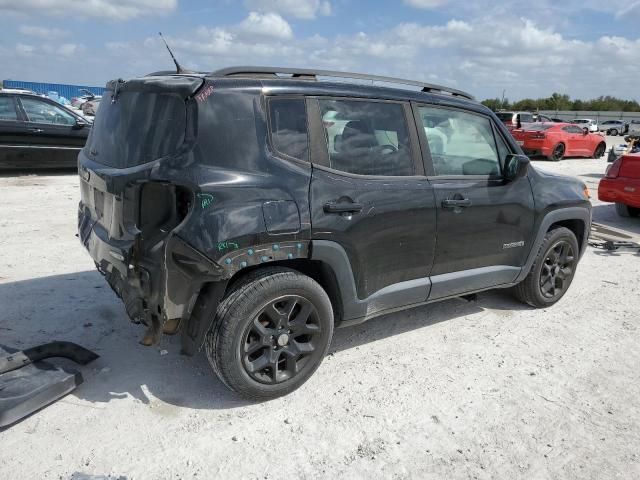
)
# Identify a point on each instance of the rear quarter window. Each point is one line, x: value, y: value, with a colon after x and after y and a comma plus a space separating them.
x: 288, y: 127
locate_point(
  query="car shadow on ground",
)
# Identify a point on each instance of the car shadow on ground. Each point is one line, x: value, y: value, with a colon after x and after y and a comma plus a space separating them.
x: 81, y: 308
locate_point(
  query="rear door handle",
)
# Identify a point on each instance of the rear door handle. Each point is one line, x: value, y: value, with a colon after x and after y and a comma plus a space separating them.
x: 332, y: 207
x: 455, y: 203
x: 36, y: 130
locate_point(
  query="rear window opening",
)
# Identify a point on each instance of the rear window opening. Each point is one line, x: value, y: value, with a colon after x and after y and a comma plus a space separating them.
x: 539, y: 127
x: 137, y: 128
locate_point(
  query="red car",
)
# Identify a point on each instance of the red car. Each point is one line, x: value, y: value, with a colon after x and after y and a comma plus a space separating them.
x: 621, y: 184
x: 557, y: 140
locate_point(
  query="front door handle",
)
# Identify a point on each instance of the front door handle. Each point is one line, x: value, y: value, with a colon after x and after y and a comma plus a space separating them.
x: 456, y: 203
x: 332, y: 207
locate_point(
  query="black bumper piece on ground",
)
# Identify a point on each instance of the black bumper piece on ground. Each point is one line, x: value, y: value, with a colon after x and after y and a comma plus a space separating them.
x: 27, y: 383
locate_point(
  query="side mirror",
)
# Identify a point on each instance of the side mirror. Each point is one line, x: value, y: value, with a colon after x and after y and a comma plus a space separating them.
x: 79, y: 125
x: 515, y: 166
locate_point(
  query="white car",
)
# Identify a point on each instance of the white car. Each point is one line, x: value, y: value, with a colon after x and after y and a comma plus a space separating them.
x: 592, y: 125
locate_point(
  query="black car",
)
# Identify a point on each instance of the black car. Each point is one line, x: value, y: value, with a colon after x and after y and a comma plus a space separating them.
x: 252, y: 210
x: 37, y: 132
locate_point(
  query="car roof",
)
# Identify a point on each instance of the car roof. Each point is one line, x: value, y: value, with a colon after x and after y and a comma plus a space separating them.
x: 306, y: 81
x: 17, y: 91
x: 40, y: 97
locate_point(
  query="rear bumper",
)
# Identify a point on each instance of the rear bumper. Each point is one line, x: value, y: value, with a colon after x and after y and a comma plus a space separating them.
x: 537, y: 151
x: 620, y: 190
x: 160, y: 286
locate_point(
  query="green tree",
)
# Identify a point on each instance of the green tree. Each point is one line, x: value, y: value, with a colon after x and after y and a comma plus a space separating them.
x: 495, y: 104
x: 559, y: 101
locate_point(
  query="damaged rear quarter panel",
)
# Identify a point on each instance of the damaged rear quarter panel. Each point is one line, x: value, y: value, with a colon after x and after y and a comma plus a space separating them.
x: 246, y: 197
x: 246, y: 206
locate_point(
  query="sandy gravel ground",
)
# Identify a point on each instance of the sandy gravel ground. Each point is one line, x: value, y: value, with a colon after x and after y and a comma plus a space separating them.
x: 458, y: 390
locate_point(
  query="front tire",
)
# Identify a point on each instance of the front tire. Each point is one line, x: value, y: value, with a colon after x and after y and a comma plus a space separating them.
x: 270, y: 334
x: 552, y: 271
x: 627, y: 211
x: 600, y: 149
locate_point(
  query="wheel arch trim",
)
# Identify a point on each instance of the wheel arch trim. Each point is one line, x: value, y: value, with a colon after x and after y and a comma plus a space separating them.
x: 555, y: 216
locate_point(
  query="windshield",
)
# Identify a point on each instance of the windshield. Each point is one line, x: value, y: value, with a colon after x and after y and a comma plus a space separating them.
x: 137, y: 128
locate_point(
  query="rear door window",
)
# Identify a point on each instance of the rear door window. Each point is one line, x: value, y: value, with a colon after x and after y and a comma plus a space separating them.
x: 288, y: 127
x: 8, y: 109
x: 461, y: 143
x: 39, y: 111
x: 367, y: 137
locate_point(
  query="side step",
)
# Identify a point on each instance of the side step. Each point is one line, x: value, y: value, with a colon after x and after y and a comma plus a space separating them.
x: 27, y: 383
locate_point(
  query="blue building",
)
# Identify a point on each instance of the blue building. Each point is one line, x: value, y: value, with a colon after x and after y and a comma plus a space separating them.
x: 67, y: 91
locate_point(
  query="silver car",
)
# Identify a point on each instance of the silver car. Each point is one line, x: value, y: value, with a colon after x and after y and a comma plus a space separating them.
x: 634, y: 127
x: 614, y: 127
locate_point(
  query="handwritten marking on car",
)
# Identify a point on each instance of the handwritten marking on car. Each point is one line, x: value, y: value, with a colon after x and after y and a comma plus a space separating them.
x: 204, y: 94
x: 513, y: 245
x: 206, y: 199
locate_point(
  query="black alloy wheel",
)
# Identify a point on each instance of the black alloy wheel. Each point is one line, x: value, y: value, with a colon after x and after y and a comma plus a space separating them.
x: 558, y: 152
x: 552, y: 271
x: 282, y: 340
x: 270, y: 332
x: 557, y: 270
x: 600, y: 149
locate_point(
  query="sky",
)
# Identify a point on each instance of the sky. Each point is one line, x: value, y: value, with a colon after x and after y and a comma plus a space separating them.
x: 583, y: 48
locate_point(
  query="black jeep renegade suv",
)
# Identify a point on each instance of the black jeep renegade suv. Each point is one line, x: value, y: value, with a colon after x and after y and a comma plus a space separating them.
x: 253, y: 210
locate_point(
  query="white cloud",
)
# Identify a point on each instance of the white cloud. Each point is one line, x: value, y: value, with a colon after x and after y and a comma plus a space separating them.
x: 426, y: 4
x: 111, y: 9
x: 68, y: 49
x: 266, y: 25
x: 482, y: 55
x: 305, y: 9
x: 24, y: 49
x: 43, y: 32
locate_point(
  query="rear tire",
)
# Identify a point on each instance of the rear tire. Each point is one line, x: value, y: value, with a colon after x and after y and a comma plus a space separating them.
x: 614, y: 132
x: 627, y: 211
x: 552, y: 271
x: 270, y: 334
x: 557, y: 153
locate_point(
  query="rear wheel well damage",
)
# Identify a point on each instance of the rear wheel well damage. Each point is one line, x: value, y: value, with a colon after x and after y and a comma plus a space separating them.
x: 212, y: 293
x: 317, y: 270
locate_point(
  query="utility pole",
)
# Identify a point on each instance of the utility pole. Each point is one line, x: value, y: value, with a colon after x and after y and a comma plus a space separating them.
x: 502, y: 103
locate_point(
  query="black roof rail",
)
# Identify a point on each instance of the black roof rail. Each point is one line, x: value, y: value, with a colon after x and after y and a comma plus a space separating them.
x: 312, y: 74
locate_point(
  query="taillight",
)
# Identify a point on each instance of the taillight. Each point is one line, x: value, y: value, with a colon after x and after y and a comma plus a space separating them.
x: 614, y: 170
x: 539, y: 136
